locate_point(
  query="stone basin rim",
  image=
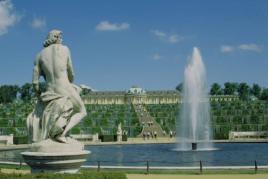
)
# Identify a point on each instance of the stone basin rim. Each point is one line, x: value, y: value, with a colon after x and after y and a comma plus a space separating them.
x: 84, y: 152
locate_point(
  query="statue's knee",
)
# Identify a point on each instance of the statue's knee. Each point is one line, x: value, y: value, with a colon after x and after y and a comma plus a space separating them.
x: 83, y: 112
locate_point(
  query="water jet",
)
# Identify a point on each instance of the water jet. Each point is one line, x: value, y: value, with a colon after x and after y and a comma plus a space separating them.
x: 194, y: 122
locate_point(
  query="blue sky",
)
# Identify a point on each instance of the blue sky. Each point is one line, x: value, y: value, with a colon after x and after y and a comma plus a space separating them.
x: 120, y: 43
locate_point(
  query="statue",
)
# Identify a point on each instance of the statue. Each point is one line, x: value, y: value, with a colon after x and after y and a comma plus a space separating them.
x: 119, y: 133
x: 59, y: 107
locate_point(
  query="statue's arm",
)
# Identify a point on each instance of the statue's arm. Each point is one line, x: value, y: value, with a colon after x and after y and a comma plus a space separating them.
x: 36, y: 74
x: 70, y: 70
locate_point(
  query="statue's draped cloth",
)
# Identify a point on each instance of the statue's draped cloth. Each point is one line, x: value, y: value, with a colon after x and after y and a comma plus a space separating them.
x: 49, y: 117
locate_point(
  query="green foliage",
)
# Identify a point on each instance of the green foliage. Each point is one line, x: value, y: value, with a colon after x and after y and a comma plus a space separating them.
x: 225, y: 116
x: 85, y: 91
x: 20, y: 140
x: 75, y: 130
x: 26, y: 92
x: 107, y: 138
x: 8, y: 93
x: 82, y: 175
x: 238, y: 115
x: 96, y: 130
x: 222, y: 132
x: 264, y: 94
x: 179, y: 87
x: 256, y: 90
x: 109, y: 116
x: 243, y: 91
x: 230, y: 88
x: 215, y: 89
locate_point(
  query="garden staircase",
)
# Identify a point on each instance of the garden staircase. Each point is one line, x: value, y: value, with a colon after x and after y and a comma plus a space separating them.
x: 149, y: 124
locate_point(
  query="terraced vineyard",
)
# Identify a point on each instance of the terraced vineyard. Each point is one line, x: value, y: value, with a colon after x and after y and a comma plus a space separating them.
x: 165, y: 115
x: 13, y: 118
x: 238, y: 116
x: 226, y: 116
x: 105, y: 119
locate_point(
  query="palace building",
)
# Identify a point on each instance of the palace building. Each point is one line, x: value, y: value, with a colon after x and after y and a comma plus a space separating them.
x: 137, y: 95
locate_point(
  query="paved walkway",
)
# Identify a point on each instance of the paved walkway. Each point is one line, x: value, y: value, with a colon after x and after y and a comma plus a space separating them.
x: 207, y: 176
x: 13, y: 147
x: 165, y: 140
x: 14, y: 171
x: 159, y: 140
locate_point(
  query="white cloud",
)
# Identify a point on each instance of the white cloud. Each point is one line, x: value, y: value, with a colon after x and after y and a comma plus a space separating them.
x: 38, y: 23
x: 171, y: 38
x: 174, y: 38
x: 8, y: 16
x: 107, y: 26
x: 250, y: 47
x: 157, y: 56
x: 227, y: 48
x: 244, y: 47
x: 159, y: 33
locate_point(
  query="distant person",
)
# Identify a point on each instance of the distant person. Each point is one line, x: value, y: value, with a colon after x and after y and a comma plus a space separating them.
x: 155, y: 134
x: 164, y: 133
x: 144, y: 135
x: 148, y: 135
x: 170, y: 134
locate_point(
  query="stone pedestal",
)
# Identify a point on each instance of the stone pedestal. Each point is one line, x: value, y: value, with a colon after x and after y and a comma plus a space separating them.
x: 50, y: 156
x: 119, y: 138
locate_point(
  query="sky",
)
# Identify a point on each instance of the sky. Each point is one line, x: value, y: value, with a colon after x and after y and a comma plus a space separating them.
x: 116, y: 44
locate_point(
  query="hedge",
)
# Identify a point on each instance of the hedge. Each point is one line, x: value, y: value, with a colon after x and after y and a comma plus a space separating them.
x: 82, y: 175
x: 20, y: 140
x: 111, y: 138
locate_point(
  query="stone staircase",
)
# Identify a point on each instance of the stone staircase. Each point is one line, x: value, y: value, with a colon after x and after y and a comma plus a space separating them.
x: 147, y: 121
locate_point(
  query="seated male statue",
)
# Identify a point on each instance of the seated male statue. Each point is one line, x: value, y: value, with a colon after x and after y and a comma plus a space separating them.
x: 59, y: 108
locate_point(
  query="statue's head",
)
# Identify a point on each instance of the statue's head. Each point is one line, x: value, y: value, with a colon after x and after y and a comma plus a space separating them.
x: 53, y: 37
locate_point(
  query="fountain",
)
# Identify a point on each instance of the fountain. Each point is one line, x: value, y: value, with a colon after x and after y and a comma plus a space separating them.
x: 194, y: 129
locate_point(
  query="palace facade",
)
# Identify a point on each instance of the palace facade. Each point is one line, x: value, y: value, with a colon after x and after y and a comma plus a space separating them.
x: 137, y: 95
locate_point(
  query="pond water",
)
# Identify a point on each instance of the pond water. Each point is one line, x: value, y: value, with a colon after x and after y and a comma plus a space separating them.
x: 229, y: 154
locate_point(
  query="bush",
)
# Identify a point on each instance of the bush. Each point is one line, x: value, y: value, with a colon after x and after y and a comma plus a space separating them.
x: 124, y: 138
x: 75, y: 130
x: 82, y: 175
x: 107, y: 138
x: 20, y: 140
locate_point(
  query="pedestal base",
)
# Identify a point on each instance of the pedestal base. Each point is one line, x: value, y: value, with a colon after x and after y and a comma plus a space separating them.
x: 55, y: 162
x: 51, y: 156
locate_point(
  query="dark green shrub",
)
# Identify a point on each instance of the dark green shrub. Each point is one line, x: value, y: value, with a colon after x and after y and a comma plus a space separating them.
x: 20, y: 140
x: 107, y: 138
x: 82, y: 175
x: 75, y: 130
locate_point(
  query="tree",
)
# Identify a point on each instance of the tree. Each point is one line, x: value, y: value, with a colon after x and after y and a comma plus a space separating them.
x: 26, y: 92
x: 264, y: 94
x: 243, y: 91
x: 85, y: 91
x: 8, y: 93
x: 256, y: 90
x: 215, y: 89
x: 179, y: 87
x: 230, y: 88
